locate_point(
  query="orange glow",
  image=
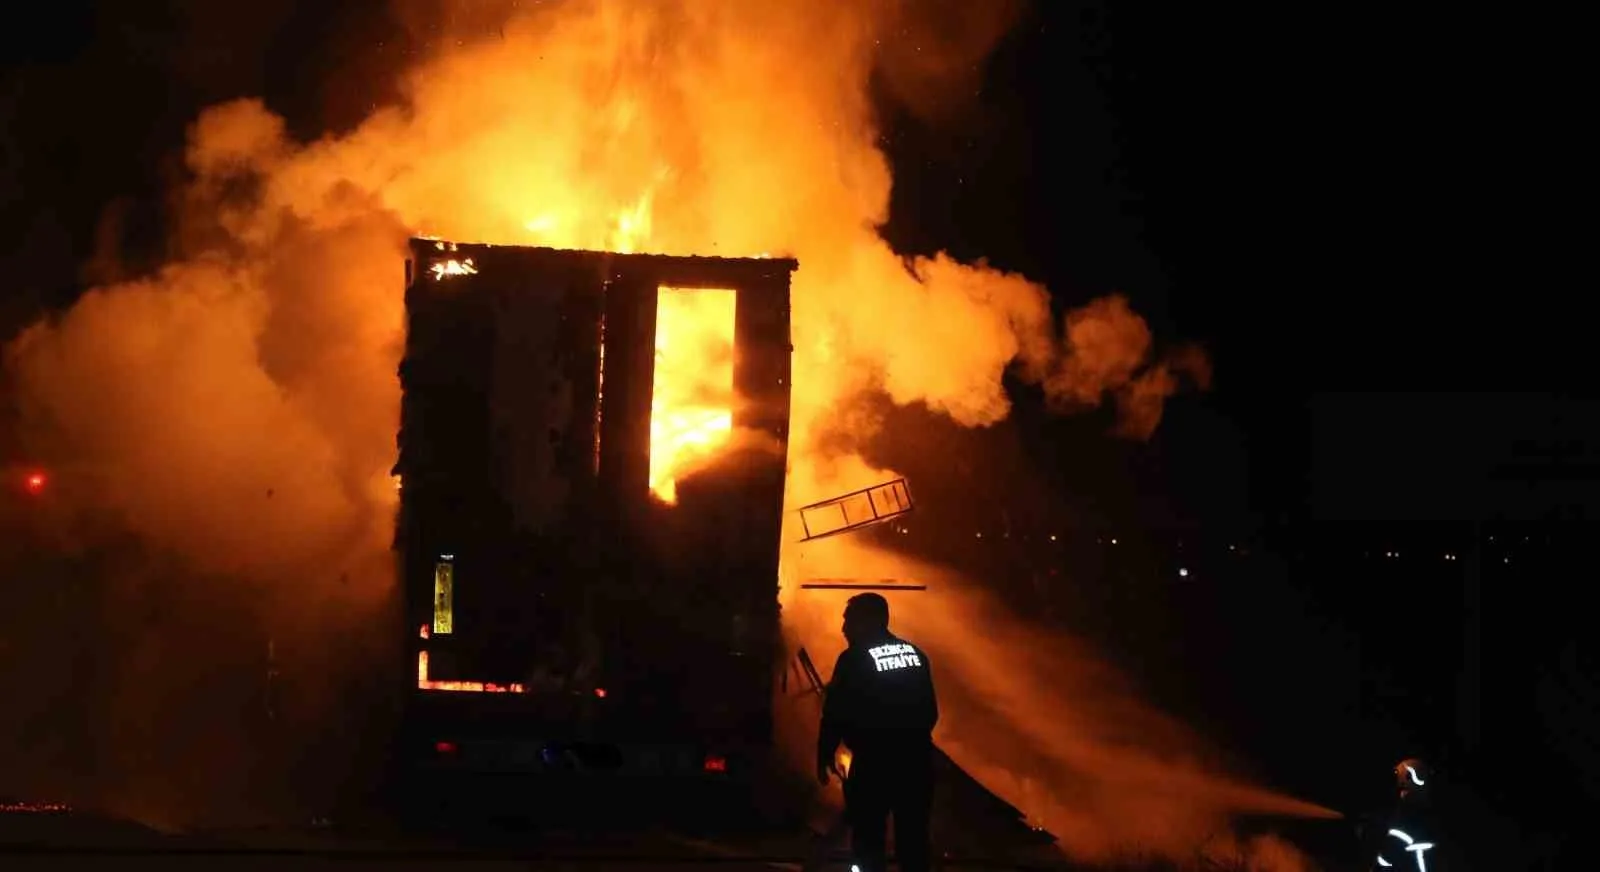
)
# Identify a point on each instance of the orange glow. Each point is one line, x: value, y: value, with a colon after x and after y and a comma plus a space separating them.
x: 691, y: 408
x: 238, y: 405
x: 423, y: 683
x: 36, y: 482
x: 453, y: 268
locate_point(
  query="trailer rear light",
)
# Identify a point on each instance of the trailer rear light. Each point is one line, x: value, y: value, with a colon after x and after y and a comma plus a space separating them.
x: 600, y: 692
x: 444, y: 748
x: 715, y: 763
x: 35, y: 482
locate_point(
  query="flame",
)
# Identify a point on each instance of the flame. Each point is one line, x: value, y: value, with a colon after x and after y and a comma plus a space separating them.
x: 453, y: 268
x: 691, y: 407
x: 633, y: 223
x: 425, y: 683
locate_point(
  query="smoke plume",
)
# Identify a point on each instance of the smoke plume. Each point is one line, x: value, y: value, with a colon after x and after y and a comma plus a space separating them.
x: 236, y: 410
x: 1046, y: 724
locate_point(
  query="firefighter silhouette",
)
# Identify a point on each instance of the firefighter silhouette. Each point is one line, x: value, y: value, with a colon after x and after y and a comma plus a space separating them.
x: 881, y: 705
x: 1407, y: 842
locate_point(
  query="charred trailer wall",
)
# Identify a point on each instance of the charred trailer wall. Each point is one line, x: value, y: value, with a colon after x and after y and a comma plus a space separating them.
x: 524, y: 458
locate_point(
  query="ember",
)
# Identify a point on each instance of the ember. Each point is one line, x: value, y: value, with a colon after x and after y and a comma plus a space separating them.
x: 453, y: 268
x: 425, y: 683
x: 34, y: 808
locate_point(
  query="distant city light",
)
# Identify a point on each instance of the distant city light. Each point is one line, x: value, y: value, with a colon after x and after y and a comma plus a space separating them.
x: 1113, y: 541
x: 1183, y: 573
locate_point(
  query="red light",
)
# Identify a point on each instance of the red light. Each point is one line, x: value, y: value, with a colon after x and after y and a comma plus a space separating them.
x: 36, y: 482
x: 445, y: 747
x: 716, y: 764
x: 600, y: 692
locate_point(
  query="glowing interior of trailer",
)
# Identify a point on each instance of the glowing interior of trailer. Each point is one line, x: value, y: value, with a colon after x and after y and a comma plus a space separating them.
x: 691, y: 405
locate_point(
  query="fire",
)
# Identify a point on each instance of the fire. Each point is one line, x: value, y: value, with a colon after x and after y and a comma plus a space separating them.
x: 425, y: 683
x: 633, y: 223
x: 263, y: 360
x: 691, y: 407
x: 454, y: 268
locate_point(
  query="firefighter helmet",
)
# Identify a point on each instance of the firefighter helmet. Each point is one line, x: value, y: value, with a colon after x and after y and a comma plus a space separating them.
x: 1411, y: 774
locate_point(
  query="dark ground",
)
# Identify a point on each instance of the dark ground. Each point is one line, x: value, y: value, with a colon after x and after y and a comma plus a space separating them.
x: 989, y: 837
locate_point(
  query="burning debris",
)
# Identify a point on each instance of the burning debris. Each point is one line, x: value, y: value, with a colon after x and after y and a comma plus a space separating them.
x: 443, y: 268
x: 456, y: 686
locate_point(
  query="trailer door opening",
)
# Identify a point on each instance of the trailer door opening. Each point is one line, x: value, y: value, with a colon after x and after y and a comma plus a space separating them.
x: 691, y: 406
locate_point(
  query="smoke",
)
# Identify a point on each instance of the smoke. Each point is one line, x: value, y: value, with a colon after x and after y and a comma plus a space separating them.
x: 236, y: 410
x: 1043, y: 722
x: 931, y: 60
x: 1107, y: 351
x: 235, y: 413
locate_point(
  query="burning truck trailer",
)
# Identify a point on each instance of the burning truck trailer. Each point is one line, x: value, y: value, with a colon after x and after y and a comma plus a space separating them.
x: 591, y: 468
